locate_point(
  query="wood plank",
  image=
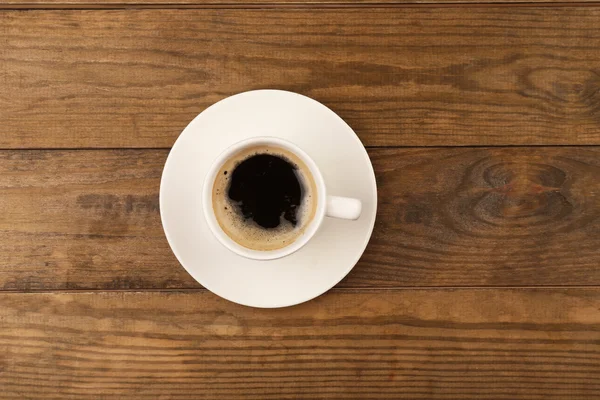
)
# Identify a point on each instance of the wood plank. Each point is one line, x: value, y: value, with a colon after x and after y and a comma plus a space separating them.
x: 399, y: 76
x: 84, y: 220
x: 485, y: 216
x: 409, y: 344
x: 447, y: 217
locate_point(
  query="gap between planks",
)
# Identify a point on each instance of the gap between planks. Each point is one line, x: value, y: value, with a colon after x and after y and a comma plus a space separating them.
x: 333, y: 290
x: 243, y: 6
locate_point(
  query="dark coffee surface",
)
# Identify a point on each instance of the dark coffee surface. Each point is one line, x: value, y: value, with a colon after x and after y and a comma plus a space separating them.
x: 264, y: 187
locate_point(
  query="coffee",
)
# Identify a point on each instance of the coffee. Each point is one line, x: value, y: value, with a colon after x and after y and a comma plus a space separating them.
x: 264, y: 197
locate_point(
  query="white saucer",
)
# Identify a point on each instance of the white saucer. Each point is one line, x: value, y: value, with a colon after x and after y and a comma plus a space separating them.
x: 347, y: 171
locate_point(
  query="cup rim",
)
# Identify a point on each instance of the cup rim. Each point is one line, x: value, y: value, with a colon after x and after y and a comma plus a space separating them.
x: 215, y: 227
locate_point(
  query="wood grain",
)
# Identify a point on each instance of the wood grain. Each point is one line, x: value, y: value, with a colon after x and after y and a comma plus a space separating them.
x: 481, y: 216
x: 410, y: 344
x: 447, y: 217
x: 84, y: 220
x: 419, y: 77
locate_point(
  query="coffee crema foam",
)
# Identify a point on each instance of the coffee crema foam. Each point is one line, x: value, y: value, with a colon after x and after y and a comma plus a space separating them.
x: 245, y: 231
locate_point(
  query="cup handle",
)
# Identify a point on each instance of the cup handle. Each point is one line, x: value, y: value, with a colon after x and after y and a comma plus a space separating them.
x: 343, y: 207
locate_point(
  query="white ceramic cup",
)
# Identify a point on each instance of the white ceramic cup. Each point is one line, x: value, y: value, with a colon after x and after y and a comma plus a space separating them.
x: 330, y: 206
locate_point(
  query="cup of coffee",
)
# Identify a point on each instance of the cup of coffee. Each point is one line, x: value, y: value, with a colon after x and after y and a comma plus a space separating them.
x: 265, y: 198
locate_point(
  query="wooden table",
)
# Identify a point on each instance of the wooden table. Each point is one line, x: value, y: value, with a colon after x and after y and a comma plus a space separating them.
x: 482, y: 277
